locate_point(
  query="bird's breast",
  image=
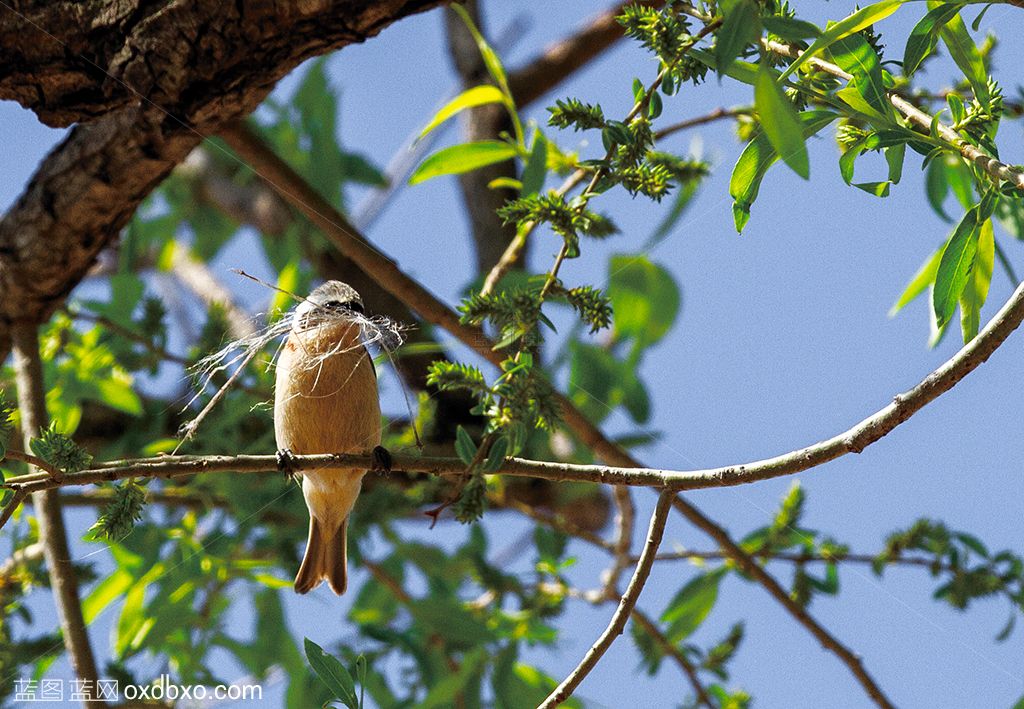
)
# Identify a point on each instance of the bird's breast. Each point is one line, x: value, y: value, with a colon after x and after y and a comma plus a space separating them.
x: 325, y: 397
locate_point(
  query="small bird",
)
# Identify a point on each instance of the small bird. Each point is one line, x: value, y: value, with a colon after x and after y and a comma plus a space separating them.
x: 326, y: 401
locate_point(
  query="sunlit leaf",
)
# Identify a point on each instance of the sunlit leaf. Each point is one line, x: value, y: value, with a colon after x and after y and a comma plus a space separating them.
x: 476, y: 96
x: 854, y: 23
x: 780, y: 123
x: 462, y: 158
x: 925, y: 35
x: 976, y: 291
x: 966, y: 55
x: 955, y: 267
x: 924, y: 277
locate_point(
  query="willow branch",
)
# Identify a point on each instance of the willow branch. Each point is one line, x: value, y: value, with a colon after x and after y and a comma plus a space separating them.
x: 33, y: 460
x: 990, y: 165
x: 749, y: 566
x: 627, y: 472
x: 32, y: 404
x: 621, y: 550
x: 626, y: 604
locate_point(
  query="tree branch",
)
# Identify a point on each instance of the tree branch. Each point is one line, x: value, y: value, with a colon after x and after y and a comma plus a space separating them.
x: 32, y: 404
x: 990, y: 165
x: 853, y: 440
x: 753, y: 569
x: 626, y: 605
x: 160, y: 77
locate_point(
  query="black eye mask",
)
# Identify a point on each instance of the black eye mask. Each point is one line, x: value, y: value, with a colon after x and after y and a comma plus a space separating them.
x: 352, y: 305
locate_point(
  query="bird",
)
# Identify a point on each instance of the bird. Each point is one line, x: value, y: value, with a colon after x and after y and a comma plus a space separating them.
x: 326, y: 401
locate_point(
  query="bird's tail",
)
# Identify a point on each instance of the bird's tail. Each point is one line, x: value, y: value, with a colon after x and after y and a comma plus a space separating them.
x: 326, y: 559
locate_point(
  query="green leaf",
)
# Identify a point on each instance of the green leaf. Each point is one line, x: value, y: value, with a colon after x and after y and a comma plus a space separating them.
x: 937, y: 187
x: 445, y: 692
x: 688, y: 609
x: 457, y: 159
x: 966, y: 55
x: 757, y: 157
x: 790, y: 28
x: 476, y: 96
x: 491, y: 61
x: 878, y: 189
x: 925, y: 35
x: 741, y: 26
x: 976, y: 291
x: 464, y: 446
x: 742, y: 71
x: 644, y: 296
x: 496, y: 456
x: 854, y: 23
x: 955, y: 267
x: 780, y: 122
x: 287, y: 284
x: 855, y: 55
x: 924, y: 277
x: 111, y: 588
x: 333, y: 674
x: 536, y: 168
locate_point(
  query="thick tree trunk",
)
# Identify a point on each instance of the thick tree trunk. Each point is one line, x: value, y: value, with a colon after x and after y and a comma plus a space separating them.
x: 160, y: 76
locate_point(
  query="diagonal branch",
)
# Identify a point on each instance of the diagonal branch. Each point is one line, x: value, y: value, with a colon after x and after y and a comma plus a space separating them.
x: 626, y: 605
x: 753, y: 569
x: 32, y: 404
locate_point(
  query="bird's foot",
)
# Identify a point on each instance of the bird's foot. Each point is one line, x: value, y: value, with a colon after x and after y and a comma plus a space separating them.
x: 286, y: 462
x: 381, y: 460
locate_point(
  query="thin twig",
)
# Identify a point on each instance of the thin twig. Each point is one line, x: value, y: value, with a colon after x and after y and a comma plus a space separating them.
x: 34, y: 461
x: 624, y: 522
x: 716, y: 115
x: 32, y: 404
x: 626, y: 471
x: 189, y: 429
x: 750, y: 567
x: 622, y: 613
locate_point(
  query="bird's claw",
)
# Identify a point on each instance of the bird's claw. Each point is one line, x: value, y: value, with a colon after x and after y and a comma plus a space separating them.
x: 381, y: 460
x: 286, y: 462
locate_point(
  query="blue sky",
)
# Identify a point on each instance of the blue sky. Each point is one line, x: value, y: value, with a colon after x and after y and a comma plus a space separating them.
x: 783, y: 340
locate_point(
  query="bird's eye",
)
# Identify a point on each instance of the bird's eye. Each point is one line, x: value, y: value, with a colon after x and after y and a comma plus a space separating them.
x: 351, y: 305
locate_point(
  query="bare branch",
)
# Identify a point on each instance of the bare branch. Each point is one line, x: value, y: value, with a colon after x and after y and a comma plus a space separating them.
x: 853, y: 440
x: 752, y: 568
x: 626, y: 605
x: 32, y: 404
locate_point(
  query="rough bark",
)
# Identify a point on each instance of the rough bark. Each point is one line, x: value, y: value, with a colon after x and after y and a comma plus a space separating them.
x: 190, y: 68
